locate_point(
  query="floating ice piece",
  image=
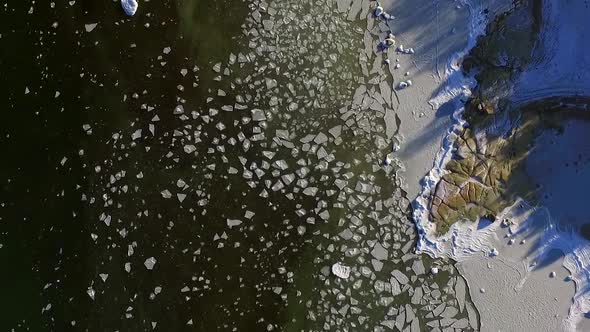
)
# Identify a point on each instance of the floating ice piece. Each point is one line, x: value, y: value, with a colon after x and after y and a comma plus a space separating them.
x: 189, y: 148
x: 434, y: 270
x: 233, y: 223
x: 90, y: 27
x: 379, y: 252
x: 166, y: 193
x: 418, y: 267
x: 552, y: 274
x: 409, y: 82
x: 341, y: 271
x: 129, y: 6
x: 149, y: 263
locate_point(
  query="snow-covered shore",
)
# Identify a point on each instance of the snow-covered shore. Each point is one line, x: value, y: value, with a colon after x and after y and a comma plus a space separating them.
x: 507, y: 296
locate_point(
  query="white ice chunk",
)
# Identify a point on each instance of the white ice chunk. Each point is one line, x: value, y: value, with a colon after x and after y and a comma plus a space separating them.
x: 149, y: 263
x: 233, y: 223
x: 129, y: 6
x: 341, y: 271
x: 90, y: 27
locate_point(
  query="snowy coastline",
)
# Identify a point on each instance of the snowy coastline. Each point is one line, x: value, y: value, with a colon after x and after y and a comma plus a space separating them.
x: 457, y: 90
x: 465, y: 242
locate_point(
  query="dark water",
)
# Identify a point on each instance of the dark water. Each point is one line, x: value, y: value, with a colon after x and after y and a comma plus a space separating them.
x: 85, y: 194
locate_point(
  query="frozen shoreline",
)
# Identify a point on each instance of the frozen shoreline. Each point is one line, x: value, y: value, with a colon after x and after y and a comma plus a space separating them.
x: 472, y: 248
x: 456, y: 90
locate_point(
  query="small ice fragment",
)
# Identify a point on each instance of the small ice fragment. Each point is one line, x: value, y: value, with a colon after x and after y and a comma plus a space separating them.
x: 321, y: 138
x: 181, y: 197
x: 482, y: 290
x: 136, y: 134
x: 552, y: 274
x: 434, y: 270
x: 418, y: 267
x: 189, y: 148
x: 178, y: 110
x: 258, y: 115
x: 149, y: 263
x: 301, y: 229
x: 409, y: 82
x: 341, y: 271
x: 379, y: 252
x: 233, y: 223
x: 129, y: 6
x: 90, y: 27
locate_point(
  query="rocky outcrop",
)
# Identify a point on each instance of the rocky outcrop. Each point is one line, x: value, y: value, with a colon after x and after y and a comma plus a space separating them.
x: 484, y: 174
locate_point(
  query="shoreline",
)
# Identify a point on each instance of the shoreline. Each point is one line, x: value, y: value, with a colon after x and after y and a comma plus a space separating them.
x: 475, y: 249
